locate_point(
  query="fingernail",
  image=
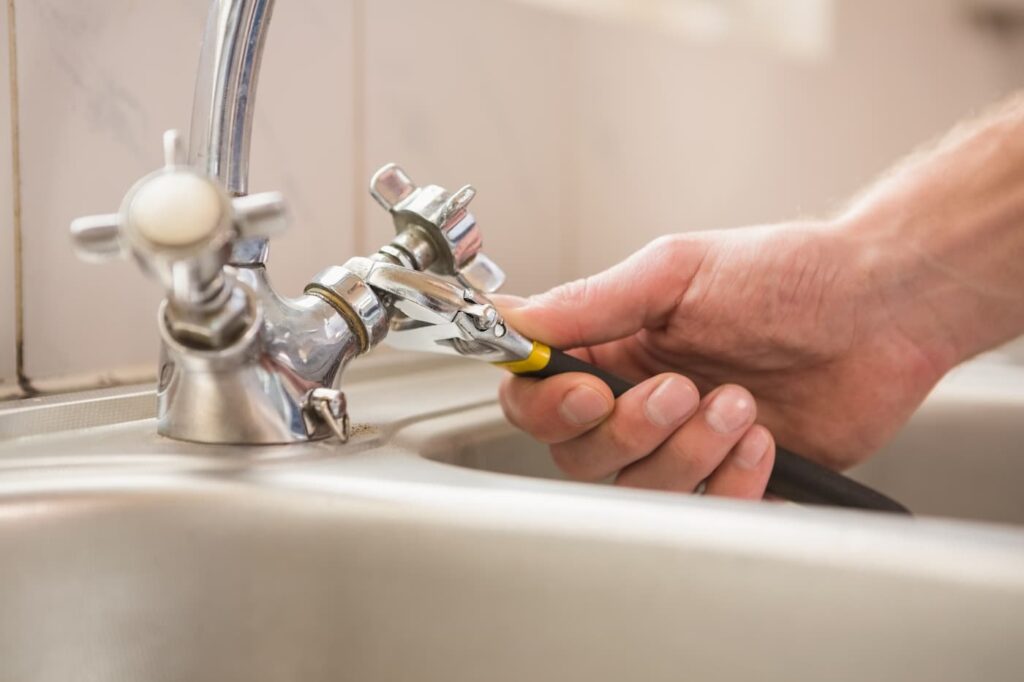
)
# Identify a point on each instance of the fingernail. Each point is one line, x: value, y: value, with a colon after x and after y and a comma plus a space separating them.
x: 508, y: 302
x: 584, y: 405
x: 752, y: 449
x: 731, y: 409
x: 672, y: 401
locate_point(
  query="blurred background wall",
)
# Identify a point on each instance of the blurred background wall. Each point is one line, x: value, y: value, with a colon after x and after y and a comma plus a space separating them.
x: 589, y: 128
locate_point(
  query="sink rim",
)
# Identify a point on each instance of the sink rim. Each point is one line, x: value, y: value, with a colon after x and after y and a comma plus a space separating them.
x: 403, y: 483
x: 391, y: 466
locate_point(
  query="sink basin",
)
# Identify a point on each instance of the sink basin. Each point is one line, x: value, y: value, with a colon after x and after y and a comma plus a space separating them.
x: 440, y: 545
x: 960, y: 456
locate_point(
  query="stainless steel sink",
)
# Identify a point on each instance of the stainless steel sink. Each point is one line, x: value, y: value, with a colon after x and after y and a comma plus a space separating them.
x: 961, y: 455
x: 411, y: 553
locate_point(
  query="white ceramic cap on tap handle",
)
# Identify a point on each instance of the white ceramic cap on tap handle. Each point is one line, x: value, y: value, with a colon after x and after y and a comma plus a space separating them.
x: 176, y: 208
x: 180, y: 224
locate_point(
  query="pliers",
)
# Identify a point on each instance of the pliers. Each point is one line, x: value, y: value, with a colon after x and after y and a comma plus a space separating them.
x: 441, y: 315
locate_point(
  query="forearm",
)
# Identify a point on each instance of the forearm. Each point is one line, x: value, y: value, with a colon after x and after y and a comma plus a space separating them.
x: 945, y: 232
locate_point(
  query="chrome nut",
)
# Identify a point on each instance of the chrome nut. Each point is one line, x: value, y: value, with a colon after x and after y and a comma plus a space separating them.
x: 216, y: 327
x: 354, y: 300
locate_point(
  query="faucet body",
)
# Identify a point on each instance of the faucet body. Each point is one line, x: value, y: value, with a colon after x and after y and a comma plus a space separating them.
x: 259, y: 387
x: 238, y: 362
x: 262, y: 387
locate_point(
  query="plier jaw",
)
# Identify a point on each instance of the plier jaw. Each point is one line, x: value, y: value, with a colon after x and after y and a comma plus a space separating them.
x: 434, y: 314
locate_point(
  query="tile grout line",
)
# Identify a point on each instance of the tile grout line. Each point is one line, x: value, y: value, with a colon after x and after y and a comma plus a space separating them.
x: 19, y: 289
x: 570, y: 261
x: 359, y: 235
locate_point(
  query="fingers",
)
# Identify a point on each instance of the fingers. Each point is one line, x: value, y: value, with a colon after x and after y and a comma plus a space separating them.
x: 658, y: 435
x: 639, y: 292
x: 556, y: 409
x: 744, y: 473
x: 643, y: 418
x: 696, y: 449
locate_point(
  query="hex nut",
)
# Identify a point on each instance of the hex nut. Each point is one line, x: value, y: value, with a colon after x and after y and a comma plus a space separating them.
x: 212, y: 329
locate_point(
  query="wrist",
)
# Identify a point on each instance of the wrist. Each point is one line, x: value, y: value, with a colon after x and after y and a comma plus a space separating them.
x: 942, y: 237
x: 951, y: 284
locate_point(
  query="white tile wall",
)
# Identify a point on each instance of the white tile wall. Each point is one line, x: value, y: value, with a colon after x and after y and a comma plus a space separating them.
x: 100, y: 82
x: 7, y: 302
x: 584, y: 139
x: 303, y: 136
x: 674, y: 136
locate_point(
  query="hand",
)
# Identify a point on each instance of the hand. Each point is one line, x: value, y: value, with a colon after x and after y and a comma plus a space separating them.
x: 792, y: 312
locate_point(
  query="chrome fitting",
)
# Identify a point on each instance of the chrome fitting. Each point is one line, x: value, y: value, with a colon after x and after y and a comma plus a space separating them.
x: 355, y: 301
x: 327, y: 406
x: 436, y: 231
x: 213, y: 326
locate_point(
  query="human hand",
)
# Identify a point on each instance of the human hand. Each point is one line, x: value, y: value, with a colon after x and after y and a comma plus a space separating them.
x: 795, y: 313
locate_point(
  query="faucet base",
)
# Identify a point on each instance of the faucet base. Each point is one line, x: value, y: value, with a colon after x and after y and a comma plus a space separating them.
x: 240, y: 394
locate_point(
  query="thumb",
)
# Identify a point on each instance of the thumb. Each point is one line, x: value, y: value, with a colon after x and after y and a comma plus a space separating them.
x: 638, y: 293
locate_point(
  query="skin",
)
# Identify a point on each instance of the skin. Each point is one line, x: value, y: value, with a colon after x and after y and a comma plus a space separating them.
x: 824, y: 336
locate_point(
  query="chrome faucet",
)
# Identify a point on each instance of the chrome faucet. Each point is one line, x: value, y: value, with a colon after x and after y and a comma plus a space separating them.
x: 239, y: 363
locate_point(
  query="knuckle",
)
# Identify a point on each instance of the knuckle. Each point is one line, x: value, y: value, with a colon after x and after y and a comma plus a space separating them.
x: 572, y: 293
x: 666, y: 242
x: 568, y: 460
x: 666, y: 246
x: 698, y: 460
x: 565, y: 461
x: 622, y: 440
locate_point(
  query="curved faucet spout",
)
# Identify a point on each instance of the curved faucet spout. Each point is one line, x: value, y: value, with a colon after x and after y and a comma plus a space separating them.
x: 225, y: 92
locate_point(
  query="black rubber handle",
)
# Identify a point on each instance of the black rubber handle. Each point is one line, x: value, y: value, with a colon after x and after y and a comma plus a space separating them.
x: 793, y: 477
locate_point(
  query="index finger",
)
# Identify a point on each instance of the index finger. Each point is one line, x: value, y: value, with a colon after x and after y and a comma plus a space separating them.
x: 558, y: 408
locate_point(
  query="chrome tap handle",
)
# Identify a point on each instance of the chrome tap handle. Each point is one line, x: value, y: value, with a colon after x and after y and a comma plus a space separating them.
x: 436, y: 231
x: 179, y: 224
x: 97, y: 238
